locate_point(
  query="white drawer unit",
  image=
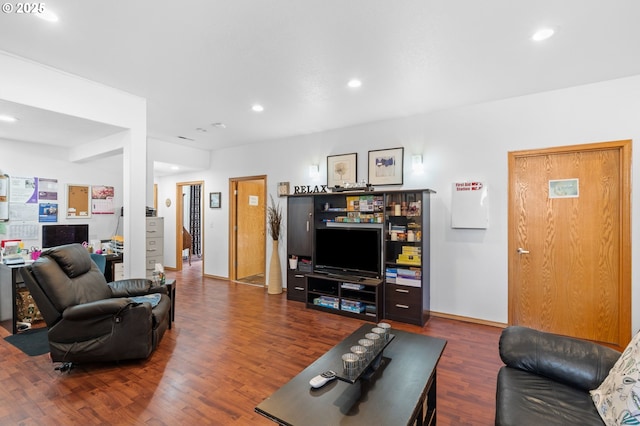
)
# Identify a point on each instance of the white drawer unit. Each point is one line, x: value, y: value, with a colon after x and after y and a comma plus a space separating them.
x: 155, y: 244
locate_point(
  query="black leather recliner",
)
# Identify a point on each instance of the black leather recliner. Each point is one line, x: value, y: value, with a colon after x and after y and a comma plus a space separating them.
x: 89, y: 320
x: 547, y: 378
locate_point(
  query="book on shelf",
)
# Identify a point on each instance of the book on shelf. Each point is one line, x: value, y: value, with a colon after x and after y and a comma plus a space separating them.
x: 409, y: 259
x: 411, y: 250
x: 411, y: 282
x: 353, y: 204
x: 327, y: 302
x: 352, y: 306
x: 410, y: 277
x: 410, y: 272
x: 352, y: 286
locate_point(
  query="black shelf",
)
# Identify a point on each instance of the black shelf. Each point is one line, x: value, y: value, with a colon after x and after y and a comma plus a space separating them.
x: 369, y: 296
x: 409, y: 300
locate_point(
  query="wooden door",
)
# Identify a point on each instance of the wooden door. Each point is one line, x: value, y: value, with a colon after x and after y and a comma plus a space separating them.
x: 250, y: 229
x: 569, y: 241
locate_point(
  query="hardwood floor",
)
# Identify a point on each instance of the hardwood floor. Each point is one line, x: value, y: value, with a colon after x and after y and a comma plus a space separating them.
x: 231, y: 346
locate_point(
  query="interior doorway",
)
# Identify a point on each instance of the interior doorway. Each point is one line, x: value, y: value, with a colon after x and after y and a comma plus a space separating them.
x: 189, y: 229
x: 247, y: 239
x: 570, y: 241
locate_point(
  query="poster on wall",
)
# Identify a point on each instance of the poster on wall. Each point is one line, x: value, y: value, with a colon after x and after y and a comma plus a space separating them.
x: 48, y: 212
x: 24, y: 190
x: 23, y: 212
x: 24, y: 231
x: 102, y: 199
x: 47, y: 189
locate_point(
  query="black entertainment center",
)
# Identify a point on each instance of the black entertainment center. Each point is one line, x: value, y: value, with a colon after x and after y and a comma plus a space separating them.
x: 361, y: 254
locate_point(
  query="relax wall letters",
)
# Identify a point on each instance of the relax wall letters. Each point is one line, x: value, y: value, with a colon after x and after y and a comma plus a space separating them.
x: 308, y: 190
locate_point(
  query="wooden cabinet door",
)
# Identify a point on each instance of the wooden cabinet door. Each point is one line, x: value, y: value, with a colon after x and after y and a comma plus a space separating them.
x: 300, y: 226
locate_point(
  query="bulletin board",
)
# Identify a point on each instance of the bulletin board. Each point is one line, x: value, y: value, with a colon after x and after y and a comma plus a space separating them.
x: 78, y: 201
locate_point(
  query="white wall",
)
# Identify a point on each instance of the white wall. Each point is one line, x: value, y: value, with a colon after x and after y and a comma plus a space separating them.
x: 35, y: 85
x: 19, y: 159
x: 468, y: 267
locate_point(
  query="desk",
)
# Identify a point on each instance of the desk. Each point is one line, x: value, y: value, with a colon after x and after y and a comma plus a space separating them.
x: 110, y: 273
x: 10, y: 280
x: 402, y: 391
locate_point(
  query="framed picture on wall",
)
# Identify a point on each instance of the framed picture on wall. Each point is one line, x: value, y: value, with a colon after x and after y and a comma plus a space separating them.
x: 283, y: 189
x: 342, y: 169
x: 214, y: 200
x: 385, y: 166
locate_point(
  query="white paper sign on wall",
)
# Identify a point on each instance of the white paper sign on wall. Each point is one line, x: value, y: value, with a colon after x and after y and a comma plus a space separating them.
x: 470, y: 205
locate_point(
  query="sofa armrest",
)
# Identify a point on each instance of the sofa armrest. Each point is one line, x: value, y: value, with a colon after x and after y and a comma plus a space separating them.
x: 130, y: 287
x: 578, y: 363
x: 95, y: 309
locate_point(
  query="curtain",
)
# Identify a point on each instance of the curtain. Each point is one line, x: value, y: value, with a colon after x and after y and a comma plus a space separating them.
x: 194, y: 219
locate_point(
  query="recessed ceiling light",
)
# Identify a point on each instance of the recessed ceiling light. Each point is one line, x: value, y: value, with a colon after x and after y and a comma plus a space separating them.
x: 354, y: 83
x: 219, y: 125
x: 8, y: 118
x: 201, y: 130
x: 47, y: 15
x: 257, y: 108
x: 542, y: 34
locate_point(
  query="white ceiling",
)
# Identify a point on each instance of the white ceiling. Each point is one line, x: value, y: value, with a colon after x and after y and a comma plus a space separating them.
x: 42, y: 126
x: 199, y: 62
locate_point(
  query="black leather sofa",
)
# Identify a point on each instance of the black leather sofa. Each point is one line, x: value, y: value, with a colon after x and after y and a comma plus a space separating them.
x: 90, y: 320
x: 547, y: 378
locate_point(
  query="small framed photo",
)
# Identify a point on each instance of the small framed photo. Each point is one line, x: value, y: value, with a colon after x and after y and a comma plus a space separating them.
x: 283, y: 189
x: 386, y: 166
x: 342, y: 168
x: 214, y: 200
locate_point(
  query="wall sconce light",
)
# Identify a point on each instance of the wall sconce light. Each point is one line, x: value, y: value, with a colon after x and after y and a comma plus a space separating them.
x: 416, y: 163
x: 314, y: 171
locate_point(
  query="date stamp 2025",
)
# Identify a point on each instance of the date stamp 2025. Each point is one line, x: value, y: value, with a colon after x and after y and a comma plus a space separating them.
x: 23, y: 8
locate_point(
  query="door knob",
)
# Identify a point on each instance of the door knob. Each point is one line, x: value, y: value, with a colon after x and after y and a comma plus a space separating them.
x: 522, y: 251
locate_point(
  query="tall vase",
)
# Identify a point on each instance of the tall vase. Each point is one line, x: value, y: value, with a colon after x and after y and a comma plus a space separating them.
x: 275, y: 271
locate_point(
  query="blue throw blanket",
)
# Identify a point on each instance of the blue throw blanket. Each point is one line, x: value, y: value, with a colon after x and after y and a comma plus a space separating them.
x: 154, y: 299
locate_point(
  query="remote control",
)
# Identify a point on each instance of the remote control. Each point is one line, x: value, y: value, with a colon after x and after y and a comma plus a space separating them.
x: 322, y: 379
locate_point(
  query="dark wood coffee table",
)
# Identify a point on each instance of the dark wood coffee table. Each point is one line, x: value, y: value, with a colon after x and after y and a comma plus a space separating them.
x: 401, y: 391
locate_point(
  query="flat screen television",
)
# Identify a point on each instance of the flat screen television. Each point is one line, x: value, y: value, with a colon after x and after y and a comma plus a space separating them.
x: 348, y: 251
x: 57, y: 235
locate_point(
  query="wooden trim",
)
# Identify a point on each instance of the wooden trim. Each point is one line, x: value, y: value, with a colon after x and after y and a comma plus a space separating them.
x: 155, y: 196
x: 233, y: 188
x: 625, y: 244
x: 215, y: 277
x: 468, y: 319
